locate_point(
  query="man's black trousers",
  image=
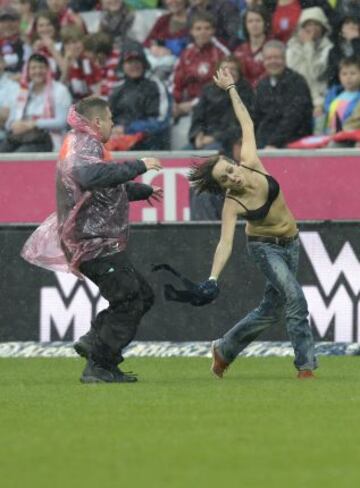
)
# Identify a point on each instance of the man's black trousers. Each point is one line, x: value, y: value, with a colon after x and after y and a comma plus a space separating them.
x: 129, y: 296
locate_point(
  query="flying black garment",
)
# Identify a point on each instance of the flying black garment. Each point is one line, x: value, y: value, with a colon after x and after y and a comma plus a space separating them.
x: 197, y: 294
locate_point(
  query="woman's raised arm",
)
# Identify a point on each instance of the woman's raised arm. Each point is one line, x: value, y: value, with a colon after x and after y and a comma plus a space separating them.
x: 225, y: 80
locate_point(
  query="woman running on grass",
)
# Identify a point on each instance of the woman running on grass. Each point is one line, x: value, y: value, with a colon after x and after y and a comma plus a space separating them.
x: 272, y: 242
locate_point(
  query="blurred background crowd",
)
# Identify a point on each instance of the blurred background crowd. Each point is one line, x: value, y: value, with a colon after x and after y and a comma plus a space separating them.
x: 296, y: 64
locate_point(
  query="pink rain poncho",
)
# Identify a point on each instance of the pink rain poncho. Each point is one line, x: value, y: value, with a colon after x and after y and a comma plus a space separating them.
x: 87, y: 224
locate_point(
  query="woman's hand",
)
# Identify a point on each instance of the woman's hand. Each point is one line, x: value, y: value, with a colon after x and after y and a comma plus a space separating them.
x: 223, y: 78
x: 156, y: 195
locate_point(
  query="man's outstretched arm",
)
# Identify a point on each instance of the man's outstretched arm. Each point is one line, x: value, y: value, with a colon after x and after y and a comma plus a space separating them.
x: 104, y: 174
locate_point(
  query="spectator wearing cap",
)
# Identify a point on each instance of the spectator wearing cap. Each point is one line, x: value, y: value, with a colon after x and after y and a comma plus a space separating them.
x: 283, y: 105
x: 9, y: 90
x: 140, y: 105
x: 37, y: 122
x: 308, y: 54
x: 285, y: 14
x: 346, y: 45
x: 11, y: 45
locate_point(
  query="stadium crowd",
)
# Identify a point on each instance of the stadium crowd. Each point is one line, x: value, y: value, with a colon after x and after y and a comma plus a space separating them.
x: 296, y: 64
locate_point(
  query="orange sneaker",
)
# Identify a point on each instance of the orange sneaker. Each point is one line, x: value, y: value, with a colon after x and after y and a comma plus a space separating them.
x: 305, y: 374
x: 218, y: 365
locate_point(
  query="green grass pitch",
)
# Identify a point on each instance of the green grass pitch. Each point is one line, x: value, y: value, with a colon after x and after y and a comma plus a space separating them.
x: 179, y: 426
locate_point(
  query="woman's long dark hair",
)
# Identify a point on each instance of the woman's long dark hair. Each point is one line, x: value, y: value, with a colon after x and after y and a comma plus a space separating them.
x: 200, y: 175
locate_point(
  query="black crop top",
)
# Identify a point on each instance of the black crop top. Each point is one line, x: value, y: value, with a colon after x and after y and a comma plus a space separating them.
x: 261, y: 212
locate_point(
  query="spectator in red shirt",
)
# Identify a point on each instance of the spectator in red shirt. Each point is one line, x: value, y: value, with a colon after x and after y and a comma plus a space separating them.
x: 197, y: 64
x: 168, y: 38
x: 170, y: 31
x: 256, y: 31
x: 285, y: 18
x: 79, y: 73
x: 65, y: 14
x: 99, y: 49
x: 226, y: 15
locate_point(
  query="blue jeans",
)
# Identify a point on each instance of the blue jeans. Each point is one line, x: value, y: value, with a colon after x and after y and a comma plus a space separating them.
x: 283, y: 295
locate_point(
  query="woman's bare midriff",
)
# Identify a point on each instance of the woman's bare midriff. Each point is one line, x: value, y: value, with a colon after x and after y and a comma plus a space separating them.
x: 279, y: 222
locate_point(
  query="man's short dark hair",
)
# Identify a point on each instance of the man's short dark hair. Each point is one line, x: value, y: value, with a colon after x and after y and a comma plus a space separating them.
x: 90, y: 106
x: 350, y: 61
x: 39, y: 58
x: 203, y: 17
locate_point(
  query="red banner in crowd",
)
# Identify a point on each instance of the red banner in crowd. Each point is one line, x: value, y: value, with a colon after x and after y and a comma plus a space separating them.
x: 316, y: 188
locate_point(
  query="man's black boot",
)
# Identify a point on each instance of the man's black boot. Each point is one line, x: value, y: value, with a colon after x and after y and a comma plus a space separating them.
x: 84, y: 344
x: 122, y: 377
x: 102, y: 363
x: 94, y: 373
